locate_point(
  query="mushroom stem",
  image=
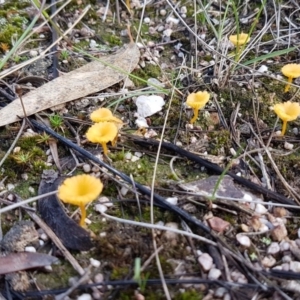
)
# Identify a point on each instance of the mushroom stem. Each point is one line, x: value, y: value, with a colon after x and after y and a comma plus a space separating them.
x: 283, y: 129
x: 196, y: 111
x: 83, y: 215
x: 287, y: 87
x: 105, y: 150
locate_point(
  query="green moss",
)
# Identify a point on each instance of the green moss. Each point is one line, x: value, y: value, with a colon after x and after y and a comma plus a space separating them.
x: 219, y: 142
x: 150, y: 71
x: 189, y: 295
x: 9, y: 31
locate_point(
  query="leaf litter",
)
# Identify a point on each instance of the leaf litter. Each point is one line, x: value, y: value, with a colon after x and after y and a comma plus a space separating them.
x: 257, y: 253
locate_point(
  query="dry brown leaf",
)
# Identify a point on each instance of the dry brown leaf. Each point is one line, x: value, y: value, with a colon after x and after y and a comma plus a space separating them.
x: 23, y: 261
x: 91, y: 78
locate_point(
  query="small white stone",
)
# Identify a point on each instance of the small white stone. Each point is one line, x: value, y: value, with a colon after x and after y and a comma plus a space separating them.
x: 220, y: 292
x: 161, y: 28
x: 17, y: 150
x: 172, y: 20
x: 167, y: 32
x: 260, y: 209
x: 93, y: 44
x: 41, y: 243
x: 243, y: 240
x: 85, y: 297
x: 95, y: 263
x: 205, y: 261
x: 44, y: 237
x: 284, y: 246
x: 33, y: 53
x: 183, y: 10
x: 128, y: 156
x: 170, y: 235
x: 24, y: 176
x: 48, y: 269
x: 288, y: 146
x: 31, y: 190
x: 147, y: 20
x: 105, y: 201
x: 124, y: 191
x: 286, y: 259
x: 10, y: 187
x: 273, y: 249
x: 86, y: 168
x: 268, y: 261
x: 100, y: 208
x: 162, y: 12
x: 172, y: 200
x: 295, y: 266
x: 98, y: 278
x: 30, y: 249
x: 134, y: 158
x: 103, y: 234
x: 138, y: 154
x: 214, y: 274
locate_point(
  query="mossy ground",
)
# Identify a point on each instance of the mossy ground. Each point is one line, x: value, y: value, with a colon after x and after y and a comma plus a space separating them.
x: 120, y: 246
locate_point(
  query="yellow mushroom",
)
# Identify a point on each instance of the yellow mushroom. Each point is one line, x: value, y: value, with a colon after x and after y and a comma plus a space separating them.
x: 80, y: 190
x: 104, y: 115
x: 102, y: 133
x: 287, y: 111
x: 197, y: 101
x: 239, y: 39
x: 290, y: 71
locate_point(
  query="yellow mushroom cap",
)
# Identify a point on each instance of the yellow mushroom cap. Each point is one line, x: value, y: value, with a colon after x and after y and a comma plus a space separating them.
x: 197, y: 100
x: 104, y: 115
x: 103, y: 132
x: 287, y: 111
x: 239, y: 40
x: 80, y: 190
x: 291, y: 70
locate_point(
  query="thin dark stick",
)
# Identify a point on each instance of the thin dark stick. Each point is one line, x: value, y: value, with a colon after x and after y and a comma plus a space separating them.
x: 144, y: 190
x: 218, y: 170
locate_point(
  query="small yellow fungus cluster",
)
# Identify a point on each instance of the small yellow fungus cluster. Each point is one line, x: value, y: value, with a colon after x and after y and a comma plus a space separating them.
x: 197, y: 101
x: 106, y: 128
x: 290, y: 71
x: 287, y: 111
x: 239, y: 40
x: 80, y: 190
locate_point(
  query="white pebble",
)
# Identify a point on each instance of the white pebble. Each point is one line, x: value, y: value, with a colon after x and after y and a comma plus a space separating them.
x: 86, y: 168
x: 30, y: 249
x: 260, y: 209
x: 295, y: 266
x: 33, y: 53
x: 170, y: 235
x: 168, y: 32
x: 205, y: 261
x: 147, y: 20
x: 268, y: 261
x: 134, y: 158
x: 85, y: 297
x: 172, y: 20
x: 273, y: 249
x: 10, y: 187
x: 17, y: 150
x: 183, y: 10
x: 288, y: 146
x: 172, y: 200
x: 100, y: 208
x: 214, y: 274
x: 31, y: 190
x: 138, y: 154
x: 124, y: 190
x: 162, y: 12
x: 128, y: 156
x: 105, y: 201
x: 243, y: 240
x: 95, y: 263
